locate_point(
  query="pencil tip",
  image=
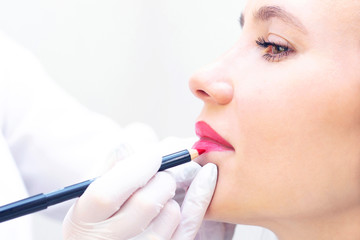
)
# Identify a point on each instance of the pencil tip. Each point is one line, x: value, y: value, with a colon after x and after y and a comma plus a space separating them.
x: 200, y: 151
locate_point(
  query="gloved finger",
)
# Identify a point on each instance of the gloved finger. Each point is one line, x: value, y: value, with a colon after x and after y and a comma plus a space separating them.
x: 184, y: 174
x: 196, y: 202
x: 144, y: 205
x: 164, y: 225
x: 106, y: 194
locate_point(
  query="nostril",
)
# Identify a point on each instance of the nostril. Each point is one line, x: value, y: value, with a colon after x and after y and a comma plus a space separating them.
x: 201, y: 93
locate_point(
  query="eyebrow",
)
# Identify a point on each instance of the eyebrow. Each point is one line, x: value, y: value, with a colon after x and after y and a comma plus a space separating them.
x: 266, y: 13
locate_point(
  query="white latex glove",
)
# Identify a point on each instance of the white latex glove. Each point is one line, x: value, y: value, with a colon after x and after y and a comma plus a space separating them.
x: 194, y: 199
x: 125, y: 202
x: 193, y: 191
x: 193, y: 207
x: 128, y: 202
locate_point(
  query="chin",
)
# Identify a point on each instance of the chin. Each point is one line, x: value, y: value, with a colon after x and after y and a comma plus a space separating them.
x: 220, y: 207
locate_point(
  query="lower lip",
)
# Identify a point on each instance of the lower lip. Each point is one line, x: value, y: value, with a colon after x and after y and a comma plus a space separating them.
x: 209, y: 145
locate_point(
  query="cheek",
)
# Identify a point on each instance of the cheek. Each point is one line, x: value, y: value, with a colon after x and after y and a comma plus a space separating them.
x: 286, y: 112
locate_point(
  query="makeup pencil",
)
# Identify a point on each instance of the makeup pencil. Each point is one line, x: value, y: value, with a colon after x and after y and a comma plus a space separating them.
x: 42, y: 201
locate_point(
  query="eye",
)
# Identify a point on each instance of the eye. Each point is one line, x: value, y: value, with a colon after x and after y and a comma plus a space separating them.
x: 277, y: 49
x: 274, y: 52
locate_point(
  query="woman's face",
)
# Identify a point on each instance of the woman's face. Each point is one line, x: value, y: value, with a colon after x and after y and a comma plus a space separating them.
x: 287, y: 99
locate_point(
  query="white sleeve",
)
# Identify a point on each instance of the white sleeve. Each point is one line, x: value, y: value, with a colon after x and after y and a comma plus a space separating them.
x: 53, y: 139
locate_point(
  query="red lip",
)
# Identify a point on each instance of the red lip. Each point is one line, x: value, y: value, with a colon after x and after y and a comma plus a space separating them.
x: 210, y: 140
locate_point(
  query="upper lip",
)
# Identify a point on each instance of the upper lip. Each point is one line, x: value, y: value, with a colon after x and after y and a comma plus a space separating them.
x: 204, y: 131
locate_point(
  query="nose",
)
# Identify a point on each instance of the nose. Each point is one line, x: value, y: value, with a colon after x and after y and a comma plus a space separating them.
x: 212, y: 85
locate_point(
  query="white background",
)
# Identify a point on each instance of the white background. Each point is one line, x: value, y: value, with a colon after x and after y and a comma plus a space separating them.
x: 130, y: 60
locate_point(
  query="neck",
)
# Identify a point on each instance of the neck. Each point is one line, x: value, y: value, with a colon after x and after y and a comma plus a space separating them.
x: 343, y: 225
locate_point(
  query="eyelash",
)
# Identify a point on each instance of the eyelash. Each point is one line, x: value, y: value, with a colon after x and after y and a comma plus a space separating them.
x: 284, y: 50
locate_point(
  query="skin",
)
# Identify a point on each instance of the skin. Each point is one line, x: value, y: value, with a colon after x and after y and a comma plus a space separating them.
x: 294, y: 122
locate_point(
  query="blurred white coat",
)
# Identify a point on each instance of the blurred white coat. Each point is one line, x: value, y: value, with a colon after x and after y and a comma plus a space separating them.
x: 47, y: 140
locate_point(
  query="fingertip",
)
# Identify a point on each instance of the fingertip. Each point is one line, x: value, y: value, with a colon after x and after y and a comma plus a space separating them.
x: 184, y: 173
x: 212, y: 170
x: 211, y: 166
x: 174, y: 209
x: 165, y: 224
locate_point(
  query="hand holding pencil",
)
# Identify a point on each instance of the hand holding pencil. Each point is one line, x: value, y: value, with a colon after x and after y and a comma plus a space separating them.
x: 133, y: 201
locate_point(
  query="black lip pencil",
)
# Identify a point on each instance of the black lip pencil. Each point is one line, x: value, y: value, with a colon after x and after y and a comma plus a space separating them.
x: 42, y: 201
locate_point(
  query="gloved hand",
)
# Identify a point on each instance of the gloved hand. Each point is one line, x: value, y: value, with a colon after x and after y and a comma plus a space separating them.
x: 132, y: 201
x: 124, y: 201
x: 194, y: 203
x: 203, y: 182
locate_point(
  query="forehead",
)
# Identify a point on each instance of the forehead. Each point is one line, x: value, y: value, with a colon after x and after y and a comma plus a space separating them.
x: 320, y: 5
x: 338, y: 15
